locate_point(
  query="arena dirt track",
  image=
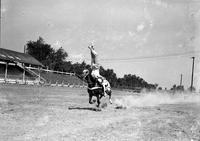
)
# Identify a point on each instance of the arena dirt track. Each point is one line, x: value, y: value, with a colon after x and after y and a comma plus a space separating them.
x: 43, y: 113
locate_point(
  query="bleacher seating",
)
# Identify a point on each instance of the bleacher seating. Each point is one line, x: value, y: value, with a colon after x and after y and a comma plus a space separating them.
x: 2, y: 68
x: 15, y: 75
x: 14, y: 72
x: 55, y: 78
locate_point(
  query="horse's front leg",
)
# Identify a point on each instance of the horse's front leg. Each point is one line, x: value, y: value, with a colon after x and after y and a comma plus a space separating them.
x: 101, y: 95
x: 98, y: 100
x: 90, y: 98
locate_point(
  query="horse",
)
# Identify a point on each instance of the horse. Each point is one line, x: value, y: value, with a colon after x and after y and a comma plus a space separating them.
x: 96, y: 89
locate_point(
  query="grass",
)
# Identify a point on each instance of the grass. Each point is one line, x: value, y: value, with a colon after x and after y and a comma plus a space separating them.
x: 57, y: 113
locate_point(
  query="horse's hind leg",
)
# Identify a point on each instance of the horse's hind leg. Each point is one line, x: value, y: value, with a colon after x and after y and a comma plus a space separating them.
x: 110, y: 100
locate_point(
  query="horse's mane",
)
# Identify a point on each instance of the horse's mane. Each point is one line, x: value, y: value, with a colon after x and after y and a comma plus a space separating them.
x: 90, y: 80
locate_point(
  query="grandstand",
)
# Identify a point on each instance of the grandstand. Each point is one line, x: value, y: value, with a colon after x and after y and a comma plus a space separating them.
x: 58, y: 78
x: 21, y: 68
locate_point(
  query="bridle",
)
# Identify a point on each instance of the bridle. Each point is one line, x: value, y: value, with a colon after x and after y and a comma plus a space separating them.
x: 89, y: 82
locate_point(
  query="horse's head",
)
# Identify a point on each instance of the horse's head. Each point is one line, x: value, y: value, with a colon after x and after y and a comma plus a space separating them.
x: 85, y: 72
x: 88, y: 77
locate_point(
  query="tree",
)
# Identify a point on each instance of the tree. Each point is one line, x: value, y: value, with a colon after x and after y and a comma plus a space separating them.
x: 78, y: 68
x: 155, y: 85
x: 53, y: 59
x: 58, y: 59
x: 40, y: 50
x: 109, y: 75
x: 180, y: 88
x: 67, y: 66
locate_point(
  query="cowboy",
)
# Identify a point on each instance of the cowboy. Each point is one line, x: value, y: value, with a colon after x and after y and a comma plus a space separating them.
x: 95, y: 68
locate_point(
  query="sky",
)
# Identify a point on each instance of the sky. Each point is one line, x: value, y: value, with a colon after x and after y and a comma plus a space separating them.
x: 154, y: 39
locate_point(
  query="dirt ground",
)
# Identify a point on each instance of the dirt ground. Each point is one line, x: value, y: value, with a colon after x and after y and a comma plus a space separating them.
x: 63, y: 114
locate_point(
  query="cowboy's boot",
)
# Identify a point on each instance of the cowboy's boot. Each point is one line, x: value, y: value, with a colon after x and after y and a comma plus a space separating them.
x: 104, y: 91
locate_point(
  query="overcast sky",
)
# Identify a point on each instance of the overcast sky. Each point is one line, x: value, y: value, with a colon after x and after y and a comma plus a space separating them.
x: 129, y: 35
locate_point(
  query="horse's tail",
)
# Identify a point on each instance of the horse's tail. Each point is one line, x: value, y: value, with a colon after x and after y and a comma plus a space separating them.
x: 107, y: 85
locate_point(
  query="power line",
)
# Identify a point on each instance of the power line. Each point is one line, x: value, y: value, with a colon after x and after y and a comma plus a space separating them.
x: 164, y: 56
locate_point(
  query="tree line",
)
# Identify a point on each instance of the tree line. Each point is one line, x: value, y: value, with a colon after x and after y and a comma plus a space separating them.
x: 56, y: 60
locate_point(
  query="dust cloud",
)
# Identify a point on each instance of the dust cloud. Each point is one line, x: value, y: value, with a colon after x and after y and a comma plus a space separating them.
x: 155, y: 99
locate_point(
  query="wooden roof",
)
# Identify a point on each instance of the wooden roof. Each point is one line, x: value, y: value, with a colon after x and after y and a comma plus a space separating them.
x: 13, y: 56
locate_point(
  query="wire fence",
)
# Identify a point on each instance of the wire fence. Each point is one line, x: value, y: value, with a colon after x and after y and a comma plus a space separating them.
x: 43, y: 77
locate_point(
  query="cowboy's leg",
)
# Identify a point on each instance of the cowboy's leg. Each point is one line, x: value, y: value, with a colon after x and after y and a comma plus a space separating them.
x: 95, y: 73
x: 94, y: 56
x: 100, y: 79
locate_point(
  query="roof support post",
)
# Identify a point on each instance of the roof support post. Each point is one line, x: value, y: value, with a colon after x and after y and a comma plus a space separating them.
x: 39, y: 74
x: 6, y: 72
x: 23, y: 76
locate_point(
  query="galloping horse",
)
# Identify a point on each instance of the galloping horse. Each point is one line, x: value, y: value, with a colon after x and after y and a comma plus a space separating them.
x: 96, y: 89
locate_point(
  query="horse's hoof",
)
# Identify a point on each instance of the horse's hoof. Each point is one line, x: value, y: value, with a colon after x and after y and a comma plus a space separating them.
x: 104, y: 105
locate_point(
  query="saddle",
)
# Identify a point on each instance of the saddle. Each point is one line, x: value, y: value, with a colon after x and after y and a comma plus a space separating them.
x: 97, y: 82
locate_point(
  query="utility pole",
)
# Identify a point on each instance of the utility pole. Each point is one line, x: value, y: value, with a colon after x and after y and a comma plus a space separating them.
x: 25, y: 49
x: 192, y: 73
x: 181, y: 80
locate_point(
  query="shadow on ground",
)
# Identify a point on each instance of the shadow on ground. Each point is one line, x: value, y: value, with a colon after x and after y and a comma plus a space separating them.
x: 84, y: 108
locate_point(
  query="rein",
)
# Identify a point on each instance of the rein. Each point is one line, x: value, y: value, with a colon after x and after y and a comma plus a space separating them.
x: 90, y: 83
x: 93, y: 88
